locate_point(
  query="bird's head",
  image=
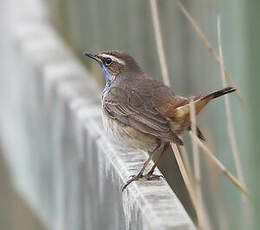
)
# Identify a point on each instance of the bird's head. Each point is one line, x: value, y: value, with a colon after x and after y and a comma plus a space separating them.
x: 114, y: 63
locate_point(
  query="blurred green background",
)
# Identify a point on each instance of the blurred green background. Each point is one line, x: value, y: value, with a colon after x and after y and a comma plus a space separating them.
x: 99, y: 25
x: 127, y: 25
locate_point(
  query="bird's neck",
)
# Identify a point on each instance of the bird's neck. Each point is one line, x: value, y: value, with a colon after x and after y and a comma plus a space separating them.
x: 108, y: 78
x: 129, y: 76
x: 107, y: 86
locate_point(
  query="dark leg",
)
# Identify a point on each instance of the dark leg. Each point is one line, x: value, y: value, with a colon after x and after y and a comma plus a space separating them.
x: 140, y: 174
x: 199, y: 133
x: 150, y: 173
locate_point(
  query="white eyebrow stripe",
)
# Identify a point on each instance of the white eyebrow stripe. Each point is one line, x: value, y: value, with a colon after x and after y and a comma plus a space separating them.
x: 113, y: 58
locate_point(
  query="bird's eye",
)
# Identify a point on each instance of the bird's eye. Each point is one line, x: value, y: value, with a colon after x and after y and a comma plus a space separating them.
x: 108, y: 61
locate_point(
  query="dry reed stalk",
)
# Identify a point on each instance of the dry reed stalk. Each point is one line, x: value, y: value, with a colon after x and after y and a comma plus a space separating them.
x: 164, y: 70
x: 219, y: 164
x: 184, y: 174
x: 160, y: 50
x: 219, y: 204
x: 196, y: 161
x: 210, y: 48
x: 185, y: 158
x: 159, y: 42
x: 230, y: 126
x: 195, y: 148
x: 204, y: 223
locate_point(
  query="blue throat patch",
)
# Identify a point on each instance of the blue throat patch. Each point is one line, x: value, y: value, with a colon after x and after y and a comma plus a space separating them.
x: 107, y: 76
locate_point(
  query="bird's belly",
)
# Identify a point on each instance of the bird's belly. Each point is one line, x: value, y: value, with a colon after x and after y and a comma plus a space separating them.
x: 126, y: 136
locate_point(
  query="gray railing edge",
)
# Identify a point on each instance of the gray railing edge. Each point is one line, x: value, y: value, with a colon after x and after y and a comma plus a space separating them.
x: 37, y: 42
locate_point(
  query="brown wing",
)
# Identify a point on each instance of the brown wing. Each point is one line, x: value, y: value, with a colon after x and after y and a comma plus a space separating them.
x: 132, y: 109
x: 161, y: 96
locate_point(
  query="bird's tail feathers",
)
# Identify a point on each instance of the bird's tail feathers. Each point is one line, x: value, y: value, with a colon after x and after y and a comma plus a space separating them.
x: 200, y: 102
x: 218, y: 93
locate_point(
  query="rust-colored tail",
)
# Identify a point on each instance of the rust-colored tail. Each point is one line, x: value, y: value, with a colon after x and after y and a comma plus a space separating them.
x: 201, y: 101
x: 218, y: 93
x: 182, y: 113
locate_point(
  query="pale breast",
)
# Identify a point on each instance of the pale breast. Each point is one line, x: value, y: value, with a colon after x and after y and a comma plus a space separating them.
x: 127, y: 137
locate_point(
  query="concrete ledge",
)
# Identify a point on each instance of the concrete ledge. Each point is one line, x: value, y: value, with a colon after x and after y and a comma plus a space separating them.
x: 63, y: 163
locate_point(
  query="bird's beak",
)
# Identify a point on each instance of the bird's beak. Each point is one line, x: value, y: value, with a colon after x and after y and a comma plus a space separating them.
x: 93, y: 56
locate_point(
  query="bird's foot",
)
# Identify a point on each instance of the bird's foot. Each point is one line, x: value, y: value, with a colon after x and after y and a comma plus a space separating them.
x: 151, y: 176
x: 133, y: 178
x: 148, y: 176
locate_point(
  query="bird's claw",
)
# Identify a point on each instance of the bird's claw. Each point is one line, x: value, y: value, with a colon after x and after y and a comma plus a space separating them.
x: 151, y: 176
x: 133, y: 178
x: 148, y: 176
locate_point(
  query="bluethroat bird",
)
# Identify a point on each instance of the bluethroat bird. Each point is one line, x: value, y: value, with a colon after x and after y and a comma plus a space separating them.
x: 142, y: 113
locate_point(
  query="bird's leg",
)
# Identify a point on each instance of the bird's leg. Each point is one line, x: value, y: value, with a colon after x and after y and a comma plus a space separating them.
x: 150, y: 174
x: 199, y: 133
x: 140, y: 174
